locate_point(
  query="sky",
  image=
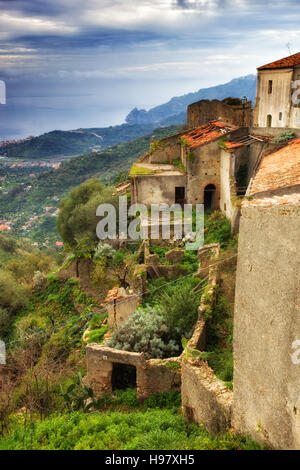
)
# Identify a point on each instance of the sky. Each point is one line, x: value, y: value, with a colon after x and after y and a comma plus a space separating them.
x: 75, y: 63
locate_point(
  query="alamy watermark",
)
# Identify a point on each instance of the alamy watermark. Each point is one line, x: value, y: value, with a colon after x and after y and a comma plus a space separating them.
x: 2, y: 353
x: 296, y: 353
x: 2, y: 92
x: 296, y: 96
x: 160, y: 221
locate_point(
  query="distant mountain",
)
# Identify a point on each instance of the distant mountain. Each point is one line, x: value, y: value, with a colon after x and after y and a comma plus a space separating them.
x: 174, y: 111
x: 138, y: 123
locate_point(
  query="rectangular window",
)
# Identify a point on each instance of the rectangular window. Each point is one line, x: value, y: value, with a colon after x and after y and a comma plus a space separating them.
x: 270, y: 87
x: 280, y: 116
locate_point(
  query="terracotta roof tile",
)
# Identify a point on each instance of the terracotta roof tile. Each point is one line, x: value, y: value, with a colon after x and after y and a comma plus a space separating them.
x: 279, y: 169
x: 286, y: 62
x: 290, y: 199
x: 233, y: 145
x: 207, y: 133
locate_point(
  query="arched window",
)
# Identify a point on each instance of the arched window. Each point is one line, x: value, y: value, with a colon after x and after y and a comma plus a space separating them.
x: 269, y: 120
x: 209, y: 197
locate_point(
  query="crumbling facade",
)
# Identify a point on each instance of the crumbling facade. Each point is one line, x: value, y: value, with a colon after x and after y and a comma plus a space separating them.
x: 104, y: 367
x: 204, y: 111
x: 197, y: 167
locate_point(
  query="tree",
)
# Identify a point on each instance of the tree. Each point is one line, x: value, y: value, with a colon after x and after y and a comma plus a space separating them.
x: 77, y: 216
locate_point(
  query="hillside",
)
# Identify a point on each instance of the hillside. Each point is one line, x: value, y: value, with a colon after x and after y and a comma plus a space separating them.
x: 67, y: 143
x: 176, y: 107
x: 27, y: 200
x: 47, y: 326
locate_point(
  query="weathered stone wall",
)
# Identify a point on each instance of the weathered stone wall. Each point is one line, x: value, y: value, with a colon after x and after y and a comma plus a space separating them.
x: 267, y: 323
x: 204, y: 111
x: 120, y: 309
x: 204, y: 169
x: 160, y: 375
x: 167, y: 149
x: 158, y: 188
x: 272, y: 131
x: 152, y: 376
x: 205, y: 399
x: 255, y: 153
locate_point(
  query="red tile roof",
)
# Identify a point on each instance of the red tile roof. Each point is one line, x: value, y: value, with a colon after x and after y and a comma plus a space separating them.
x: 279, y: 169
x: 233, y: 145
x: 286, y: 62
x: 207, y: 133
x: 4, y: 227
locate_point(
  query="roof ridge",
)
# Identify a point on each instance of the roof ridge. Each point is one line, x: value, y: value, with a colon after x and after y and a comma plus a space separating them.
x: 285, y: 62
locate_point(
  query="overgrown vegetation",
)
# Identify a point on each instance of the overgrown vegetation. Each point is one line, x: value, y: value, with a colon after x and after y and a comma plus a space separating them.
x: 285, y: 136
x: 48, y: 319
x: 145, y: 331
x: 77, y: 217
x: 154, y: 429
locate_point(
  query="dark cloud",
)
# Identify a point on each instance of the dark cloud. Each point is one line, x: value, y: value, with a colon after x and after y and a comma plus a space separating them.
x: 135, y: 52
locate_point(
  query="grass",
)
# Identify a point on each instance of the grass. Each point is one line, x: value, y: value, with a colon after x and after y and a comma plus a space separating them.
x: 178, y: 163
x: 137, y: 170
x: 153, y: 429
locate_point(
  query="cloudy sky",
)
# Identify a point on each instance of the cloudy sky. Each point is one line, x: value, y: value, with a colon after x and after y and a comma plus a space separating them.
x: 73, y: 63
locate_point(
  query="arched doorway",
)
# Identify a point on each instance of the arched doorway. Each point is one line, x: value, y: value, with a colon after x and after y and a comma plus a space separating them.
x: 209, y: 197
x: 269, y: 120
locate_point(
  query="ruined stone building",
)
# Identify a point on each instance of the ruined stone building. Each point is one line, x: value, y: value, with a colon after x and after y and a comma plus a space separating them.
x: 200, y: 166
x: 276, y: 85
x: 220, y: 157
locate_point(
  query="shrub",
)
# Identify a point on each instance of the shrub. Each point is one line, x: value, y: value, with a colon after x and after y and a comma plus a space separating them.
x: 180, y: 307
x: 217, y: 229
x: 96, y: 336
x: 104, y: 249
x: 38, y: 279
x: 5, y: 322
x: 284, y: 137
x: 145, y: 331
x: 221, y: 361
x: 162, y: 400
x: 12, y: 294
x: 154, y: 429
x: 8, y: 244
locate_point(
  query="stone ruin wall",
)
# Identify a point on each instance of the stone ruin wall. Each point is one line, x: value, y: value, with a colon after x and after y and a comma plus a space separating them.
x: 204, y: 111
x: 152, y: 375
x: 205, y: 399
x: 267, y: 324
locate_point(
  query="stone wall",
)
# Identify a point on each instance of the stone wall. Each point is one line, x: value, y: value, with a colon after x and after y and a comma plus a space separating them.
x: 157, y: 188
x: 267, y: 324
x: 152, y: 376
x: 203, y: 170
x: 160, y: 375
x: 166, y: 149
x: 204, y: 111
x: 205, y: 399
x: 119, y: 309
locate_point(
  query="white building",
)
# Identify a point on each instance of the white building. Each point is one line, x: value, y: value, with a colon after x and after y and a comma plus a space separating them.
x: 278, y: 94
